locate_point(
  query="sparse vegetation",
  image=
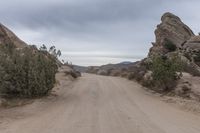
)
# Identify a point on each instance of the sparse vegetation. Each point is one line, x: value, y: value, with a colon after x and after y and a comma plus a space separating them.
x: 26, y: 72
x: 137, y: 73
x: 131, y: 76
x: 165, y: 72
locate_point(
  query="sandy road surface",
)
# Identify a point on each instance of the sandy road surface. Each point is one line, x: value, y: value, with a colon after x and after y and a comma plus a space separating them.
x: 98, y: 104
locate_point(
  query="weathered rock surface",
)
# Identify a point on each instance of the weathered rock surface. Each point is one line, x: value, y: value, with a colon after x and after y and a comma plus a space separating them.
x: 180, y: 40
x: 7, y: 37
x: 193, y: 44
x: 170, y: 29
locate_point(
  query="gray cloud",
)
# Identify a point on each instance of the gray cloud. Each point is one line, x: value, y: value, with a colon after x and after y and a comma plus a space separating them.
x: 119, y: 27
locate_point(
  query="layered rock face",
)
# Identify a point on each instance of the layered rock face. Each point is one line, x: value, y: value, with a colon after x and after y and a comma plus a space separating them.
x: 173, y: 36
x: 193, y: 44
x: 171, y: 29
x: 8, y: 37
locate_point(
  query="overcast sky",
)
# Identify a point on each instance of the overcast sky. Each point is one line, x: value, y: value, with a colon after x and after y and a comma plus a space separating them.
x: 94, y: 32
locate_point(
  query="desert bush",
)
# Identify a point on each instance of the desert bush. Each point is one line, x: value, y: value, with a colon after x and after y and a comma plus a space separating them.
x: 74, y: 74
x: 147, y: 82
x: 109, y: 71
x: 26, y: 72
x: 131, y: 76
x: 124, y: 74
x: 116, y: 73
x: 170, y: 46
x: 164, y: 72
x: 124, y: 70
x: 137, y: 73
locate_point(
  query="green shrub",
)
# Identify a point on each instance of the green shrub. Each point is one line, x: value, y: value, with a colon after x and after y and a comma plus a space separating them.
x: 26, y: 72
x: 170, y: 46
x: 164, y: 72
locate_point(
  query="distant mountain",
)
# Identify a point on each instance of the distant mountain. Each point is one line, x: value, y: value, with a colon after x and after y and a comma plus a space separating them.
x: 126, y: 62
x: 120, y: 65
x: 120, y: 69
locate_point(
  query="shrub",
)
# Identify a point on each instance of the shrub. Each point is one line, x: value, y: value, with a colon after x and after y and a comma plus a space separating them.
x: 147, y: 83
x: 164, y: 72
x: 92, y: 69
x: 170, y: 46
x: 124, y: 70
x: 26, y: 72
x: 124, y: 74
x: 137, y: 73
x: 109, y: 71
x: 131, y: 76
x: 116, y: 73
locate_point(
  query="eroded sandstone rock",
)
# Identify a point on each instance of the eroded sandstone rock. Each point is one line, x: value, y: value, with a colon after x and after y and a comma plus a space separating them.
x: 8, y: 37
x: 172, y: 30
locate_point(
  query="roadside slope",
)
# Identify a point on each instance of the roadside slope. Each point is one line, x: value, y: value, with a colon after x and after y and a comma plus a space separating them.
x: 98, y: 104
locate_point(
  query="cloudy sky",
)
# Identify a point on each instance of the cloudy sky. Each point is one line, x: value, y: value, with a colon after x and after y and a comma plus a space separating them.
x: 94, y: 32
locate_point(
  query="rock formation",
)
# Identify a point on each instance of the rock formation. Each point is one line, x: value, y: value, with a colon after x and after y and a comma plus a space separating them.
x: 171, y: 29
x: 173, y: 36
x: 193, y: 44
x: 7, y: 37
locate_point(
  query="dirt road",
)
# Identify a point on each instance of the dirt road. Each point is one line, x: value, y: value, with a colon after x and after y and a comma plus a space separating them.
x: 98, y: 104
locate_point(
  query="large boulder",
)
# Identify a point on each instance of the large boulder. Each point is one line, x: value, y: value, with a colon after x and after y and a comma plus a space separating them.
x: 173, y: 37
x: 171, y: 29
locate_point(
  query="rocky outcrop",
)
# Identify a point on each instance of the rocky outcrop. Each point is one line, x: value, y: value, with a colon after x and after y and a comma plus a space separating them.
x: 192, y: 45
x: 191, y: 50
x: 8, y: 37
x: 172, y: 30
x: 174, y: 37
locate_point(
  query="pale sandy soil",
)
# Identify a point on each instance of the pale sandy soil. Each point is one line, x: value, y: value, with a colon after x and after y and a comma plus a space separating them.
x: 98, y: 104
